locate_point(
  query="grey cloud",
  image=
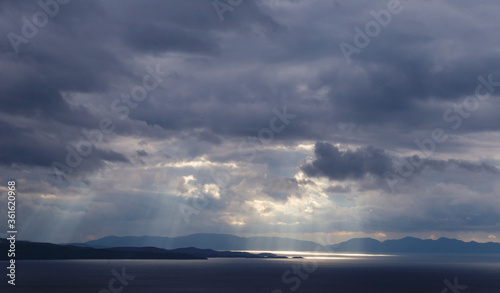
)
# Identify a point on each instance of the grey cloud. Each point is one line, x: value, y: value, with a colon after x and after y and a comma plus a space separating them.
x: 30, y: 148
x: 142, y: 153
x: 464, y: 165
x: 181, y: 186
x: 151, y: 38
x: 335, y: 164
x: 229, y: 77
x: 338, y: 189
x: 340, y: 165
x: 208, y: 136
x: 281, y: 189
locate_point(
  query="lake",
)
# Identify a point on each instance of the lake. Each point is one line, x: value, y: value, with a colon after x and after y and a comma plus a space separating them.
x: 356, y: 273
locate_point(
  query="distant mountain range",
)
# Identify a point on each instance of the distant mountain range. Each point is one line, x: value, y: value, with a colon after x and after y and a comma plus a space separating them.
x: 232, y: 242
x: 205, y: 240
x: 26, y: 250
x: 415, y: 245
x: 202, y: 246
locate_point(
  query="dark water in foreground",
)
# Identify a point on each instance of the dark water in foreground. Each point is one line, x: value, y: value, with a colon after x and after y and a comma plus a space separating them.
x: 342, y: 273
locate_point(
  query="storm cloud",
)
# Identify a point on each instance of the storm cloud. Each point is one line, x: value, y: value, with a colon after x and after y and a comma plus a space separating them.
x: 336, y: 164
x: 340, y: 165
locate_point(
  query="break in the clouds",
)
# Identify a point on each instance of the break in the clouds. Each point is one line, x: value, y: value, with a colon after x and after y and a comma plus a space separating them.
x: 174, y: 117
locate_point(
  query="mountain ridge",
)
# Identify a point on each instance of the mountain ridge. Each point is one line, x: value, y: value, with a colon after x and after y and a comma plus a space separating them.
x: 205, y: 240
x: 27, y: 250
x: 232, y: 242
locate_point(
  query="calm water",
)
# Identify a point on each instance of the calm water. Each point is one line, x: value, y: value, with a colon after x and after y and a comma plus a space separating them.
x: 325, y: 273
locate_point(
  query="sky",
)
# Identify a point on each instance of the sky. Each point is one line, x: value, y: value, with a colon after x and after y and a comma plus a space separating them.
x: 302, y: 119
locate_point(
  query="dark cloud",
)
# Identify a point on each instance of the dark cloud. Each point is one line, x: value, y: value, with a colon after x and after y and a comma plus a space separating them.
x: 142, y: 153
x: 340, y: 165
x: 151, y: 38
x: 464, y: 165
x: 335, y: 164
x: 31, y: 148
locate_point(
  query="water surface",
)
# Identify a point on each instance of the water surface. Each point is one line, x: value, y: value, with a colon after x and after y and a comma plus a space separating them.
x: 356, y: 273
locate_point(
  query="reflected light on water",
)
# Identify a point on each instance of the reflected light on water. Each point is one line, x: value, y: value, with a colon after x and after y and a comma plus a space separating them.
x: 330, y: 257
x: 317, y: 255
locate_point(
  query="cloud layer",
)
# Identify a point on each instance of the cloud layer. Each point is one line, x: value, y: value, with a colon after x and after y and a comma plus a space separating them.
x: 201, y: 148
